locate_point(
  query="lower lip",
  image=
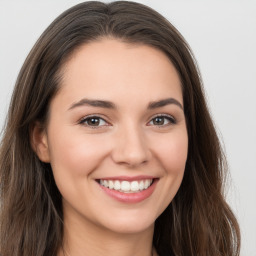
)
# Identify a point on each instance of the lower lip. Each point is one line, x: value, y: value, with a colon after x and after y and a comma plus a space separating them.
x: 130, y: 197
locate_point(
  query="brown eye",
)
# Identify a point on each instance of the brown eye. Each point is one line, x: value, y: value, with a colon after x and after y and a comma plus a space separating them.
x: 93, y: 121
x: 158, y: 121
x: 162, y: 120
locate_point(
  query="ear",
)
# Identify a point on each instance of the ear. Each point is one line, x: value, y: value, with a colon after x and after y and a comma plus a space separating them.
x: 39, y: 142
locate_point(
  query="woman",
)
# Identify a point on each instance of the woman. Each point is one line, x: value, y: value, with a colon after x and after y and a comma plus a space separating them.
x: 109, y: 148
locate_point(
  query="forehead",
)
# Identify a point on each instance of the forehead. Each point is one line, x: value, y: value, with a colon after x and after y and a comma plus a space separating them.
x: 111, y: 68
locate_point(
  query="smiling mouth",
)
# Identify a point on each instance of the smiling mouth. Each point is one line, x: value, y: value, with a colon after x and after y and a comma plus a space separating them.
x: 125, y: 186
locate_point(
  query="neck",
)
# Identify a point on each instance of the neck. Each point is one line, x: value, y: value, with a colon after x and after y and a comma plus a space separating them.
x: 89, y: 239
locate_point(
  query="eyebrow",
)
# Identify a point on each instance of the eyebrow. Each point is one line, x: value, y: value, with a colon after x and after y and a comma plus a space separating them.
x: 164, y: 102
x: 93, y: 103
x: 111, y: 105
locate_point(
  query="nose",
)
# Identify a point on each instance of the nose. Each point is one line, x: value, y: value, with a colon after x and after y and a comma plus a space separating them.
x: 130, y: 147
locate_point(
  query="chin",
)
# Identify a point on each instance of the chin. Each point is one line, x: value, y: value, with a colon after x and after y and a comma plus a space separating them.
x: 130, y: 223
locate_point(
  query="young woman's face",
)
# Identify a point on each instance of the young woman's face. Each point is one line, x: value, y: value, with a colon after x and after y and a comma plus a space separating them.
x: 116, y: 138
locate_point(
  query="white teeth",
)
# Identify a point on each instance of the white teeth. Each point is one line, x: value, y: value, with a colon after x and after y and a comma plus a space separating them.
x: 117, y: 185
x: 105, y: 183
x: 147, y: 183
x: 111, y: 184
x: 134, y: 186
x: 126, y: 186
x: 141, y: 185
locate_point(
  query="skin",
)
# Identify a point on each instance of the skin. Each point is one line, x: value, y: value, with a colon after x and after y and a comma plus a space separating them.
x: 127, y: 142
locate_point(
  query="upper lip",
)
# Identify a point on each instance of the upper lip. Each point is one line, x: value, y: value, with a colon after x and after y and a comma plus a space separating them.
x: 129, y: 178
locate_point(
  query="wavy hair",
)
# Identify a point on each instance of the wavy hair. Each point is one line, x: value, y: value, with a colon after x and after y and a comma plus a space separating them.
x: 198, y: 222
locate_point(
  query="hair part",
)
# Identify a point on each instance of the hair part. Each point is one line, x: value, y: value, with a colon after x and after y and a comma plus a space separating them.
x: 197, y: 222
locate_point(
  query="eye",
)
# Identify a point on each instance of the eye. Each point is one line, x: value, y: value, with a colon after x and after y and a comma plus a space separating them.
x: 162, y: 120
x: 93, y: 121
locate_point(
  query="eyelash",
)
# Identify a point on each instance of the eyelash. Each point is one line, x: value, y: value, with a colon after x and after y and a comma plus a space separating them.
x: 170, y: 119
x: 84, y: 121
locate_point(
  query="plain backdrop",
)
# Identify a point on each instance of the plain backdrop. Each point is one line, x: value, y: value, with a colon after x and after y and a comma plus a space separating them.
x: 222, y: 35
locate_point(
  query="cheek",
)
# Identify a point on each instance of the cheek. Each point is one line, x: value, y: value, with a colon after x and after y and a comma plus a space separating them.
x: 172, y: 152
x: 75, y: 154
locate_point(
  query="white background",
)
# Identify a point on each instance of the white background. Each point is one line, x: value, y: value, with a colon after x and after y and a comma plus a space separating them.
x: 222, y: 34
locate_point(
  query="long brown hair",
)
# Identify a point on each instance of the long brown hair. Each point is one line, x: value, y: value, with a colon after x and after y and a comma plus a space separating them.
x: 197, y: 222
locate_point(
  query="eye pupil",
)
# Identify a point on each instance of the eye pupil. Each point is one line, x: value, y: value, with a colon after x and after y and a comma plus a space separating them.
x: 158, y: 121
x: 93, y: 121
